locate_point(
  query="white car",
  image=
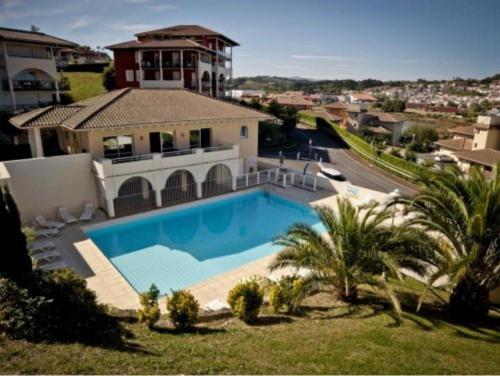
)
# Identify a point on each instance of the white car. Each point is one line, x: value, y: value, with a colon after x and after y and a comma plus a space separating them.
x: 330, y: 173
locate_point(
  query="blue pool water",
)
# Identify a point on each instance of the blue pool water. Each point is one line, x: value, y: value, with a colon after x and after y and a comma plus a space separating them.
x: 183, y: 247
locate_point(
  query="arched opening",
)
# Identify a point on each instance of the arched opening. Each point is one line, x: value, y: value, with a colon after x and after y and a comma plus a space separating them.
x: 206, y: 83
x: 33, y: 79
x: 222, y: 83
x: 179, y: 187
x: 218, y: 180
x: 135, y: 194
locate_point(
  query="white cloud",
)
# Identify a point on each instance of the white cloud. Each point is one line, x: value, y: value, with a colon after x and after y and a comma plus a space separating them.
x: 80, y: 22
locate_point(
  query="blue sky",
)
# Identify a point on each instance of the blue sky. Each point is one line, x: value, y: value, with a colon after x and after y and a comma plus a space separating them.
x: 384, y: 39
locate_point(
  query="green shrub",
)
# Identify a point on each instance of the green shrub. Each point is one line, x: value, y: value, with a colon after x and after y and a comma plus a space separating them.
x: 245, y: 300
x: 20, y: 312
x: 150, y: 311
x: 58, y: 306
x: 285, y: 294
x: 183, y: 309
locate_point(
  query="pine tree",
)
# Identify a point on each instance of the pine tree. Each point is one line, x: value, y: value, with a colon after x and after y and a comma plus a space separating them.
x: 16, y: 261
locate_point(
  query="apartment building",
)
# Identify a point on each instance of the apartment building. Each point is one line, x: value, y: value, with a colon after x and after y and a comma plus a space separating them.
x: 478, y: 144
x: 148, y: 147
x: 28, y: 70
x: 183, y: 56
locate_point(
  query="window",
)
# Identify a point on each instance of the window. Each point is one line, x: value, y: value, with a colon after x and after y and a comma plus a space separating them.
x: 167, y: 141
x: 129, y: 75
x: 176, y: 75
x: 244, y: 132
x: 117, y: 146
x: 194, y: 139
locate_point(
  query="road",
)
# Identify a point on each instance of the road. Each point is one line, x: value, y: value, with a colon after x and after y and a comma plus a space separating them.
x: 337, y: 156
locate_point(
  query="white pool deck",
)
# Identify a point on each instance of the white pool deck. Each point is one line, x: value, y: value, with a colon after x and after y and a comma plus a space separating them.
x: 81, y: 254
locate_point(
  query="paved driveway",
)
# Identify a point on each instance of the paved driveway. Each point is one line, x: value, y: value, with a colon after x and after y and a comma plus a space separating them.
x: 335, y: 155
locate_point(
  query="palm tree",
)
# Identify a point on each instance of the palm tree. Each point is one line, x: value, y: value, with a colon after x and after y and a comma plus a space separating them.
x: 463, y: 214
x: 356, y: 249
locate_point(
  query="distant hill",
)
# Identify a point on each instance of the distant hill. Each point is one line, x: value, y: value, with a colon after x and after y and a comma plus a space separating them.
x: 274, y: 84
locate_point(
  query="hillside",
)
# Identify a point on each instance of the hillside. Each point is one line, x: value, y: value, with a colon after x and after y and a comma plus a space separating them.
x: 279, y: 84
x: 84, y: 85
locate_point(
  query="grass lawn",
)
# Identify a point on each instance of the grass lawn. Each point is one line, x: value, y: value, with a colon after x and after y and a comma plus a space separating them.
x: 327, y: 338
x: 85, y: 85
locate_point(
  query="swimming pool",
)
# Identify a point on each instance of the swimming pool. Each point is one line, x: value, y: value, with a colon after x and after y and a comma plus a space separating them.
x: 177, y: 249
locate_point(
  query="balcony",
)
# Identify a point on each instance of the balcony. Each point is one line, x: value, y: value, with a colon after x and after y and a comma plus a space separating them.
x: 43, y: 85
x: 161, y: 161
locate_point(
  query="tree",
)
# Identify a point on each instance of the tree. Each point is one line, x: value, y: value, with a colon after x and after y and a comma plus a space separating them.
x: 393, y: 105
x: 16, y: 261
x: 357, y: 249
x: 464, y: 212
x: 288, y: 115
x: 109, y: 77
x: 420, y: 136
x: 34, y: 28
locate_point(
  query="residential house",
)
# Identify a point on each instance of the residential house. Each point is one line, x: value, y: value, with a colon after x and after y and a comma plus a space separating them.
x: 150, y: 147
x: 82, y: 57
x: 183, y: 56
x: 298, y: 102
x: 28, y: 69
x: 478, y: 144
x: 357, y: 98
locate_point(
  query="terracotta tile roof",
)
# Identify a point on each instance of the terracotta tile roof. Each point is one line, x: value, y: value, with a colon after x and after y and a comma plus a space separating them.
x: 339, y: 105
x: 186, y: 31
x: 378, y: 130
x: 166, y: 43
x: 455, y: 143
x: 7, y: 34
x: 462, y: 130
x: 323, y: 114
x: 129, y: 107
x: 486, y: 157
x: 385, y: 117
x: 291, y: 101
x: 364, y: 97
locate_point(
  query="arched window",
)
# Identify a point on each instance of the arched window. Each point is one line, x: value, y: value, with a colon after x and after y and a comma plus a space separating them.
x: 134, y: 195
x: 219, y: 180
x: 179, y: 187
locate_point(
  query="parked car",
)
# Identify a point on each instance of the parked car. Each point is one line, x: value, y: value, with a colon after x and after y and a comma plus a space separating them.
x: 443, y: 158
x: 330, y: 173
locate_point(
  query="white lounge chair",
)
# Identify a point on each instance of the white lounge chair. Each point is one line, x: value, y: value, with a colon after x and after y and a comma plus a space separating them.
x: 66, y: 215
x: 42, y: 222
x: 88, y: 212
x: 53, y: 265
x: 216, y: 305
x: 46, y: 256
x: 42, y: 245
x: 46, y: 233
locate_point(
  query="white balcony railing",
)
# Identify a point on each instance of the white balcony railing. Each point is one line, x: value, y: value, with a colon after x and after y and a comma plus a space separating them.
x: 160, y: 161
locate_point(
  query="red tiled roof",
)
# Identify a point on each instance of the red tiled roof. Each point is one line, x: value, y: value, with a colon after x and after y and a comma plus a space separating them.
x: 7, y: 34
x: 129, y: 107
x: 455, y: 143
x: 179, y: 31
x: 462, y: 130
x: 485, y: 157
x: 165, y: 43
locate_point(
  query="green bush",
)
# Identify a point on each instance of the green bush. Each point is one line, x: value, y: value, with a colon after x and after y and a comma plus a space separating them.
x: 421, y: 137
x: 245, y: 300
x: 285, y: 294
x: 58, y: 306
x: 150, y: 311
x: 20, y: 312
x: 183, y: 309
